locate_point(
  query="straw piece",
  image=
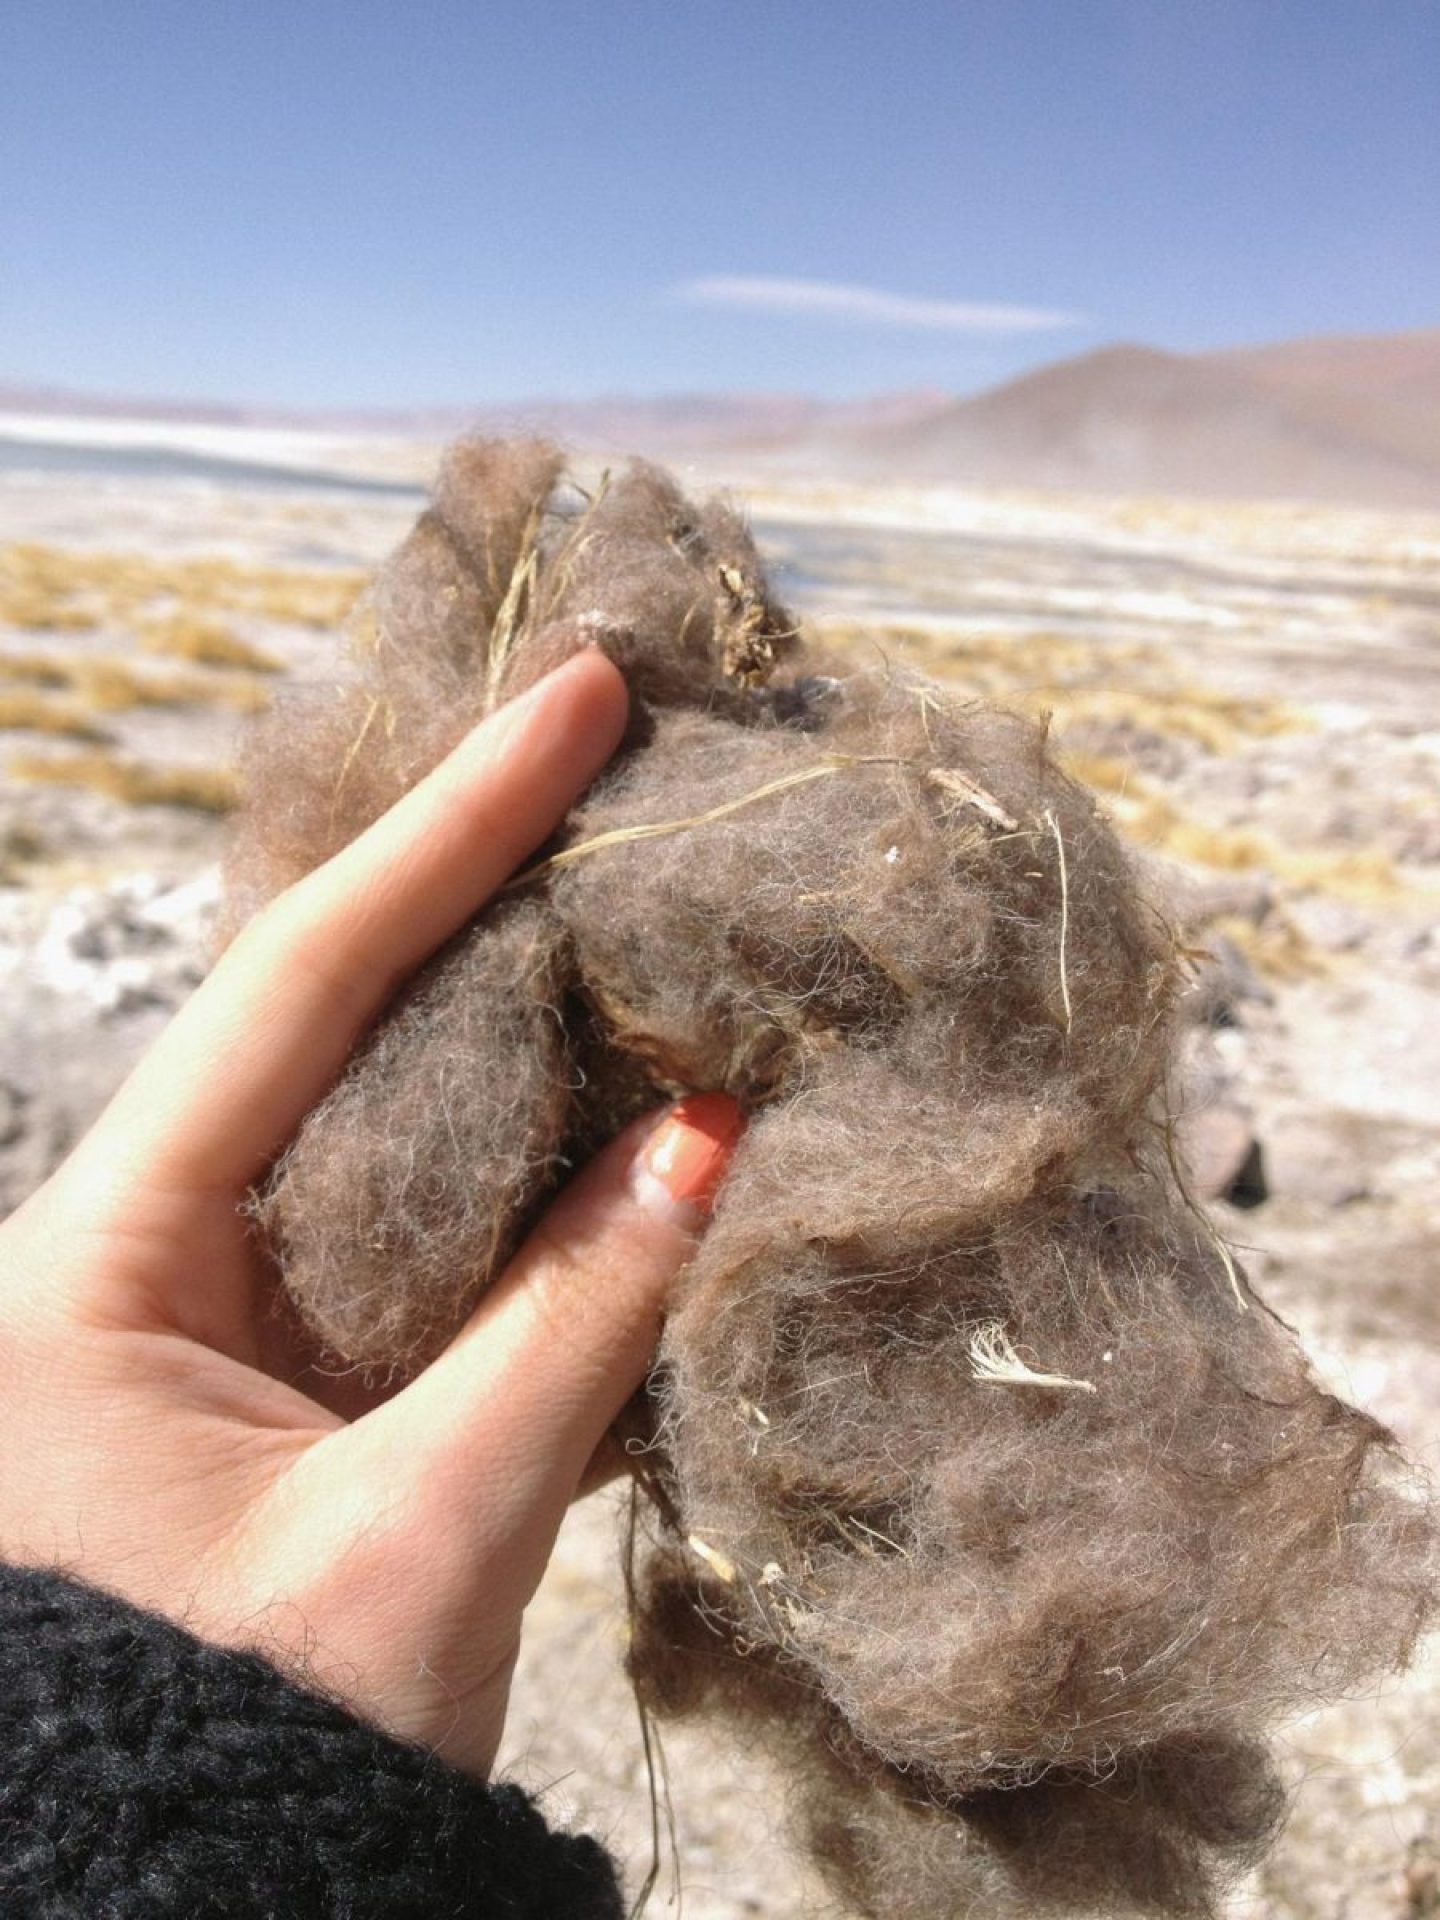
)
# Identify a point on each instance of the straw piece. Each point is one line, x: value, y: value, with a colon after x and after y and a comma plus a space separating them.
x: 1054, y: 826
x: 964, y: 787
x: 994, y: 1361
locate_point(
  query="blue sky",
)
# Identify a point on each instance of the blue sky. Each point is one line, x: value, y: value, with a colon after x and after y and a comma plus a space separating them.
x: 310, y: 202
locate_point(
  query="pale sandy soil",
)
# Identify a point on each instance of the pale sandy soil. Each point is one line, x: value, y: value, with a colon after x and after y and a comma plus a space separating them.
x: 1257, y: 692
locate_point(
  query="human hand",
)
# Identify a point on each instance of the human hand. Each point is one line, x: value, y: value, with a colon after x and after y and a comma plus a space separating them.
x: 165, y: 1437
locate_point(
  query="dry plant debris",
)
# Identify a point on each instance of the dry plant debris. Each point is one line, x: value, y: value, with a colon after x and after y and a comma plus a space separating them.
x: 980, y: 1491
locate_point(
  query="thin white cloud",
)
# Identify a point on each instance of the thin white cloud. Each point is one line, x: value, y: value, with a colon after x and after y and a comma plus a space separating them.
x: 867, y: 306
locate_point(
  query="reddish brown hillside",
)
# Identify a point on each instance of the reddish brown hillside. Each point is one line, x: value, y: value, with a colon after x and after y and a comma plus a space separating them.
x: 1383, y: 388
x: 1129, y: 418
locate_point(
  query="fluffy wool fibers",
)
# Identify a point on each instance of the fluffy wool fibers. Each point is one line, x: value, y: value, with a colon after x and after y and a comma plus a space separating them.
x: 983, y: 1493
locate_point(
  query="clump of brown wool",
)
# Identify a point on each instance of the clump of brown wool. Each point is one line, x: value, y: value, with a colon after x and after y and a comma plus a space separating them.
x: 984, y: 1495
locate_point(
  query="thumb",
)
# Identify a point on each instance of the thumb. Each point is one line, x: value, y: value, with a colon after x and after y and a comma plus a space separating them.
x: 502, y: 1426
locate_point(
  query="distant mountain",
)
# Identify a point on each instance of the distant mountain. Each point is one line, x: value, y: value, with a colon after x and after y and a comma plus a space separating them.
x: 1341, y: 420
x: 1346, y: 420
x: 1386, y: 390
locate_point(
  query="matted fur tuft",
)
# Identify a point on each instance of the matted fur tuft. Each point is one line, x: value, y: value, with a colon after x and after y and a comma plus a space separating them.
x: 985, y: 1495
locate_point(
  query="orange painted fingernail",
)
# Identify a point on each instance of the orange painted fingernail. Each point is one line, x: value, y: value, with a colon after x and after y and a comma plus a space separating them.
x: 680, y: 1167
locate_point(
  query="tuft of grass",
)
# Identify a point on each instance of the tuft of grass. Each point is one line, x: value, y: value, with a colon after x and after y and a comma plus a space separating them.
x: 36, y: 669
x: 20, y: 849
x: 39, y: 589
x: 1073, y: 678
x: 133, y: 783
x: 991, y: 665
x: 114, y: 686
x: 1366, y: 876
x: 24, y: 710
x: 1277, y: 948
x: 205, y: 643
x: 102, y: 683
x: 1218, y: 722
x: 1153, y: 821
x: 57, y: 589
x: 1099, y: 771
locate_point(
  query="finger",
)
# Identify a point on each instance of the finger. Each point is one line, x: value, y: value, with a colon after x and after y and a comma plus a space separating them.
x: 271, y: 1028
x: 500, y: 1431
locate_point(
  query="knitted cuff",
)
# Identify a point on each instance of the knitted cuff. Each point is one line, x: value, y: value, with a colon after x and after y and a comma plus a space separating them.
x: 147, y: 1776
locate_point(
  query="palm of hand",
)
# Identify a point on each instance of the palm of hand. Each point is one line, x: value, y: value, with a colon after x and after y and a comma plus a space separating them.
x: 170, y: 1436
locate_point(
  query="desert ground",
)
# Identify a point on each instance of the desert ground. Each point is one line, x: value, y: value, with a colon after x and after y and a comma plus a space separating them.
x: 1253, y: 689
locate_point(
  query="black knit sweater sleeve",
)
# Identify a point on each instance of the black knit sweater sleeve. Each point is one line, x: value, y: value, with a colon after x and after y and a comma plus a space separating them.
x: 147, y: 1776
